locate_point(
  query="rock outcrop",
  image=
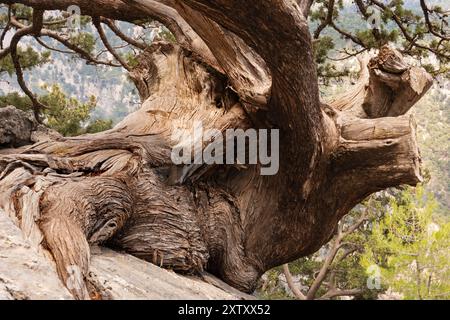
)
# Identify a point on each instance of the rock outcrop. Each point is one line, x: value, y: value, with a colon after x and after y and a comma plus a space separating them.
x: 18, y: 129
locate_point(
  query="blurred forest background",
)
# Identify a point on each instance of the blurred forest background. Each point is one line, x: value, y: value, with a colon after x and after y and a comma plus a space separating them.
x: 395, y: 245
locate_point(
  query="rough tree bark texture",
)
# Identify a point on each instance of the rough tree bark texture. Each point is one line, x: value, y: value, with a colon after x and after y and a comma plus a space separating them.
x: 119, y: 188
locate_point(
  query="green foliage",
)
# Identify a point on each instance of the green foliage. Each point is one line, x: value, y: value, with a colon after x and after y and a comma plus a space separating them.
x: 64, y: 114
x: 84, y: 40
x: 412, y: 250
x: 99, y: 125
x: 20, y: 10
x: 28, y: 58
x: 132, y: 59
x: 414, y: 261
x: 401, y: 23
x: 326, y: 70
x: 17, y: 100
x: 166, y: 35
x: 321, y: 48
x: 346, y: 271
x: 433, y: 136
x: 403, y: 230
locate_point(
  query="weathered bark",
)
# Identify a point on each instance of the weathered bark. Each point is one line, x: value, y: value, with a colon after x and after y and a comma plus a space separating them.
x: 120, y: 188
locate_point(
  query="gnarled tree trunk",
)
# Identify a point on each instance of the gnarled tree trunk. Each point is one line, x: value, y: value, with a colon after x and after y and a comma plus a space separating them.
x: 120, y: 188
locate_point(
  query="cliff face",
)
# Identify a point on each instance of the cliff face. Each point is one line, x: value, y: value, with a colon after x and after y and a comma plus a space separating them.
x: 26, y: 273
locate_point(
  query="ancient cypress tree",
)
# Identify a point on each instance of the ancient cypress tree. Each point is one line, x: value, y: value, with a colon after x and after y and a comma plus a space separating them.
x: 234, y: 65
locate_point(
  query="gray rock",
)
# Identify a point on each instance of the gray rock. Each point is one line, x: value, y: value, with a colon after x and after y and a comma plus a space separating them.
x: 18, y: 128
x: 24, y: 272
x: 122, y: 276
x: 15, y: 127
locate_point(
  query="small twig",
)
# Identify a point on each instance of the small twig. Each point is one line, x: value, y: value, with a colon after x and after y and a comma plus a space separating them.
x: 339, y: 293
x: 108, y: 46
x: 327, y: 21
x: 425, y: 11
x: 77, y: 50
x: 42, y: 43
x: 349, y: 55
x: 290, y: 281
x: 123, y: 36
